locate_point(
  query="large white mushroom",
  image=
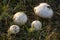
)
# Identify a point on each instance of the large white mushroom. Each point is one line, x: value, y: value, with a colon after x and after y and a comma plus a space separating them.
x: 36, y: 25
x: 20, y: 18
x: 13, y: 29
x: 43, y: 10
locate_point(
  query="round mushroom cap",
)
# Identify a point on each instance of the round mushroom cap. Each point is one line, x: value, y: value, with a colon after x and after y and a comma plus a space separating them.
x: 43, y: 10
x: 36, y: 25
x: 20, y: 18
x: 14, y: 29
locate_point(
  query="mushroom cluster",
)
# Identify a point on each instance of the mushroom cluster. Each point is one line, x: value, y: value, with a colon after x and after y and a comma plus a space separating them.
x: 43, y: 10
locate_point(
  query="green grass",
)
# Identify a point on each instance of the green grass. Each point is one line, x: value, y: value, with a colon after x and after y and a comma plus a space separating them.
x: 9, y: 7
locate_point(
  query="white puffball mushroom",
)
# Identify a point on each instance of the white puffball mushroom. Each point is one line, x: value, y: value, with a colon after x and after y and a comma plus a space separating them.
x: 20, y: 18
x: 43, y: 10
x: 36, y: 25
x: 13, y: 29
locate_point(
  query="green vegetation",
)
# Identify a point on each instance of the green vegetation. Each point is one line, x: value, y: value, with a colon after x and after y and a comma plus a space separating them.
x: 50, y: 30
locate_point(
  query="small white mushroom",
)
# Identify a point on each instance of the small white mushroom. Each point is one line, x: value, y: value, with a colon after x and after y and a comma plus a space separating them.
x: 20, y: 18
x: 36, y: 25
x: 43, y: 10
x: 13, y: 29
